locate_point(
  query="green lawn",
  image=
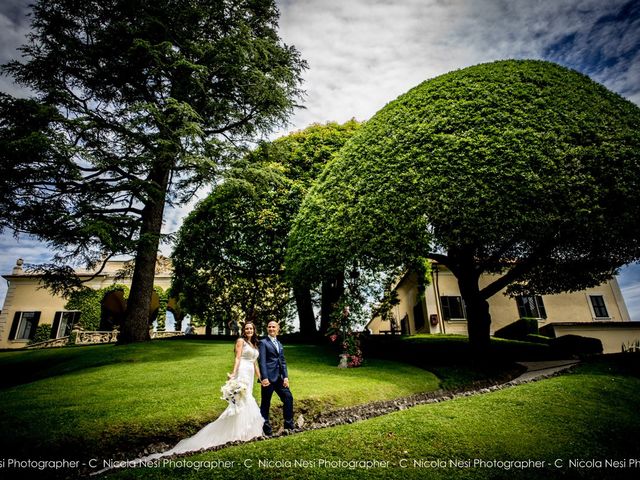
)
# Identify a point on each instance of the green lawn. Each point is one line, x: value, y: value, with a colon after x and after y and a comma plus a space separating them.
x: 78, y: 403
x: 589, y: 414
x: 94, y: 401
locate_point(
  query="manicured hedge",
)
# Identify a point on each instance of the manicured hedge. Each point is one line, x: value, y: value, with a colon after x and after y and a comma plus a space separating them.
x: 426, y: 351
x: 519, y: 329
x: 575, y: 345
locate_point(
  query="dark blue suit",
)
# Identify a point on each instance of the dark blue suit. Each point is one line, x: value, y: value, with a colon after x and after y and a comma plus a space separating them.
x: 273, y: 367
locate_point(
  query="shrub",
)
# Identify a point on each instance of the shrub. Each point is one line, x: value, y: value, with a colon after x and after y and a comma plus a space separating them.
x: 575, y: 345
x: 87, y: 301
x: 519, y: 329
x: 43, y: 333
x: 537, y: 339
x: 426, y: 351
x: 341, y: 328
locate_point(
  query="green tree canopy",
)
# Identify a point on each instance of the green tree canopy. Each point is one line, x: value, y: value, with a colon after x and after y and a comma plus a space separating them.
x: 523, y: 169
x: 229, y: 255
x: 135, y: 104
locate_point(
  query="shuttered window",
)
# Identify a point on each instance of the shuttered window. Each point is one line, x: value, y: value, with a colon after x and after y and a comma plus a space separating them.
x: 453, y: 308
x: 531, y: 306
x: 63, y: 323
x: 24, y: 325
x: 599, y: 307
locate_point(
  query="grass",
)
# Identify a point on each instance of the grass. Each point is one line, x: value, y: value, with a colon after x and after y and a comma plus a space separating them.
x: 93, y: 402
x: 588, y: 414
x: 98, y: 400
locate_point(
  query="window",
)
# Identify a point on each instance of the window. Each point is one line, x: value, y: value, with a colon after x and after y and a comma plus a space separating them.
x: 453, y: 308
x: 63, y: 323
x: 599, y: 308
x: 531, y: 306
x: 24, y: 325
x: 418, y: 315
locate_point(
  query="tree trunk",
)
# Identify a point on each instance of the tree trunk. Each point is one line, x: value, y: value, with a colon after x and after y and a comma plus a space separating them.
x: 136, y: 323
x: 479, y: 327
x: 305, y: 311
x: 478, y: 316
x: 332, y: 290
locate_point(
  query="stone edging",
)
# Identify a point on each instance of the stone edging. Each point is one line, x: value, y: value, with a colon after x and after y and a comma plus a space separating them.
x: 375, y: 409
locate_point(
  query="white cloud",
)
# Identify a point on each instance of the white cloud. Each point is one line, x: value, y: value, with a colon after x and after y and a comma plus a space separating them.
x: 629, y: 281
x: 174, y: 216
x: 27, y: 248
x: 363, y: 54
x: 14, y: 26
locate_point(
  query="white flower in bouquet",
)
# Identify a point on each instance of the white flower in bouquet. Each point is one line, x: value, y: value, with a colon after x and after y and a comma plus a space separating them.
x: 232, y: 392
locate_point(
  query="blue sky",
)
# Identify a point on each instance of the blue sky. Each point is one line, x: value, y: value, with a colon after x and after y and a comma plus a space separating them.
x: 364, y: 53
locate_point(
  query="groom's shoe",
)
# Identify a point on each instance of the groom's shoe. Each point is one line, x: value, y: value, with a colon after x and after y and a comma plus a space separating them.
x: 288, y: 425
x: 266, y: 429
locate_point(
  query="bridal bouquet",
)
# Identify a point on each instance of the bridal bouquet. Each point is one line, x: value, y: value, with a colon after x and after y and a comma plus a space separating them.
x: 232, y: 392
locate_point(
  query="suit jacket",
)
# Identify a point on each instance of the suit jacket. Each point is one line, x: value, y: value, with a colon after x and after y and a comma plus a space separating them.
x: 271, y: 362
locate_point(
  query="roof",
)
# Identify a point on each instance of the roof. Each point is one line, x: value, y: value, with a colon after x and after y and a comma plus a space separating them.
x: 595, y: 324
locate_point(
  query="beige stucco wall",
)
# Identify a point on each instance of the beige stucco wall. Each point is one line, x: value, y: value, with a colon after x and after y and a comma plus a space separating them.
x: 565, y: 307
x: 612, y: 339
x: 407, y: 295
x: 24, y: 294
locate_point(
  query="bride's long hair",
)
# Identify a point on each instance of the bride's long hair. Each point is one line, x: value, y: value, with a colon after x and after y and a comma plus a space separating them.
x: 253, y: 340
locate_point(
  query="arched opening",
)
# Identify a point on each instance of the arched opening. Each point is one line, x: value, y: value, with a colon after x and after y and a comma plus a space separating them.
x: 170, y: 322
x: 112, y: 311
x: 177, y: 317
x: 153, y: 310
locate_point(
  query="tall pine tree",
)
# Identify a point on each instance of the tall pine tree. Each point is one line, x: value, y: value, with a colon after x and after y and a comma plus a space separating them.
x: 136, y: 103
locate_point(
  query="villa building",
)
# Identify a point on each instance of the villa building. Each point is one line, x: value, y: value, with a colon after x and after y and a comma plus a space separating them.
x: 27, y: 304
x: 598, y: 312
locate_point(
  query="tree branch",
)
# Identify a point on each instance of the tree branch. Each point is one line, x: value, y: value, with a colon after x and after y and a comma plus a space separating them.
x: 231, y: 126
x: 440, y: 258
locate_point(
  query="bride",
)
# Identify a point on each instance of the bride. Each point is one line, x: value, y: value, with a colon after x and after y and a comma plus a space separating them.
x: 242, y: 419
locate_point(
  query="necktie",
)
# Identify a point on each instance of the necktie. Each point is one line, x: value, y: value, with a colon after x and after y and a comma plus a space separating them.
x: 275, y: 344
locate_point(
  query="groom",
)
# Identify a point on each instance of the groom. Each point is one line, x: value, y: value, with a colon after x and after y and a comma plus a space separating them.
x: 273, y: 372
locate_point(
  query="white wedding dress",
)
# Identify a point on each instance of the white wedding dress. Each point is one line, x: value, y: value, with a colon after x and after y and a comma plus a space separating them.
x: 238, y: 422
x: 242, y: 422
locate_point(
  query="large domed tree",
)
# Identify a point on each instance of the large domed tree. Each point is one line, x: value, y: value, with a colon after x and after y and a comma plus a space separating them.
x: 523, y: 169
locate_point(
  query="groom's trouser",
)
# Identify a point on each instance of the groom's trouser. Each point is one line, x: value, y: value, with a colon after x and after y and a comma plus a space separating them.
x: 287, y: 402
